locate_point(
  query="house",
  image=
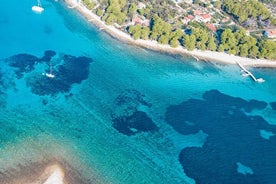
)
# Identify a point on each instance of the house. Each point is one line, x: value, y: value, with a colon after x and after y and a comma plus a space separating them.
x: 270, y: 33
x: 187, y: 19
x: 206, y: 17
x: 139, y: 20
x: 211, y: 27
x: 197, y: 12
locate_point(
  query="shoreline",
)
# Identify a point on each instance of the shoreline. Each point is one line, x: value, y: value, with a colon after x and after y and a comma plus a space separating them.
x: 44, y: 160
x: 43, y: 172
x: 211, y: 56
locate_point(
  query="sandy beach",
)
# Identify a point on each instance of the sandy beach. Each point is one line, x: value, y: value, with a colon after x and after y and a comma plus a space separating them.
x: 45, y: 172
x: 153, y: 45
x: 44, y: 160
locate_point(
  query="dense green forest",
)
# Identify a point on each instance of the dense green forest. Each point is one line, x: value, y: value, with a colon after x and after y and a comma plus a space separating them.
x: 166, y: 28
x: 250, y: 9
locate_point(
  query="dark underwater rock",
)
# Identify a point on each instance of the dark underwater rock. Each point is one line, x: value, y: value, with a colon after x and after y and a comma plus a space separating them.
x: 233, y: 136
x: 273, y: 105
x: 22, y: 63
x: 135, y: 123
x: 48, y: 55
x: 73, y: 70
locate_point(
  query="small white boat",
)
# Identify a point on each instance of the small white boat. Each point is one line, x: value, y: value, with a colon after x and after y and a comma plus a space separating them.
x: 38, y: 8
x: 50, y: 75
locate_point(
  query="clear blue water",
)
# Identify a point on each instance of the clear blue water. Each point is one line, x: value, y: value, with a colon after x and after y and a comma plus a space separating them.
x: 123, y: 114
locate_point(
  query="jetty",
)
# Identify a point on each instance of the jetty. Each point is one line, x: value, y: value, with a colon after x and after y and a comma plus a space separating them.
x: 73, y: 6
x: 196, y: 58
x: 248, y: 73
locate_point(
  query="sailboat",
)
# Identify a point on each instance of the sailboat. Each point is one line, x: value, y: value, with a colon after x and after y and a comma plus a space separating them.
x: 38, y: 8
x: 50, y: 74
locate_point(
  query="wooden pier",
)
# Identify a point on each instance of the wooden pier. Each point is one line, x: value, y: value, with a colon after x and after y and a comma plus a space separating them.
x: 248, y: 73
x: 73, y: 6
x: 195, y: 57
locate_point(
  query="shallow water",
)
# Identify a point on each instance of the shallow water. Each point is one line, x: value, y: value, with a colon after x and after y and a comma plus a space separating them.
x: 130, y: 114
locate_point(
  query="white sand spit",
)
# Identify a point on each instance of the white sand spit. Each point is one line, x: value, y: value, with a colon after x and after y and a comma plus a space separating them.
x: 56, y: 176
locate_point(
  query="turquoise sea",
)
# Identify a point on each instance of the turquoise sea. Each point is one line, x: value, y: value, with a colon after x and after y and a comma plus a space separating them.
x: 122, y: 114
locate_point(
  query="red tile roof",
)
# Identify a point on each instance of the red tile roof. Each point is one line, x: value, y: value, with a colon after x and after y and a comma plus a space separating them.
x: 206, y: 16
x: 271, y: 32
x: 197, y: 12
x: 211, y: 27
x: 190, y: 17
x: 138, y: 20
